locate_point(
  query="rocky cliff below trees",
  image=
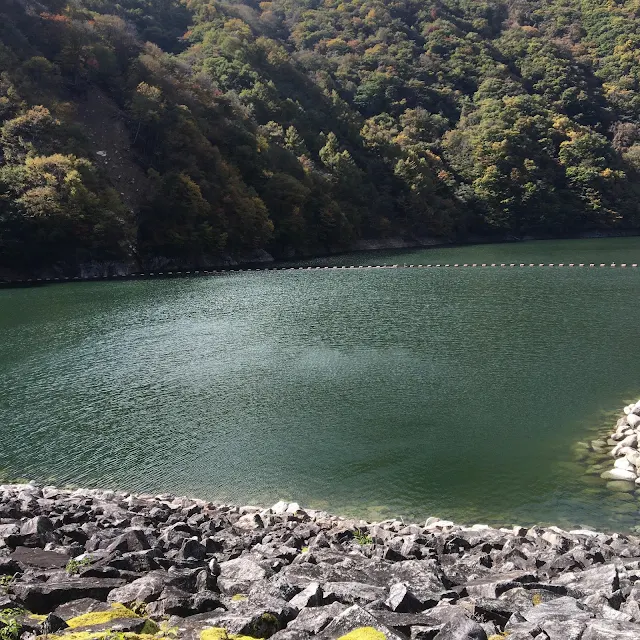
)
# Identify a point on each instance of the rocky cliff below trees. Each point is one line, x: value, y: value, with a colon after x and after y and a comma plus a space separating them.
x: 87, y: 564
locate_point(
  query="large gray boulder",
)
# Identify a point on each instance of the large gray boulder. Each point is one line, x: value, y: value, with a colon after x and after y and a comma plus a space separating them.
x: 356, y: 617
x: 496, y: 585
x: 311, y: 596
x: 237, y: 576
x: 315, y: 619
x: 461, y: 629
x: 402, y: 600
x: 602, y: 579
x: 44, y: 597
x: 352, y: 593
x: 132, y: 540
x: 145, y: 589
x: 611, y: 630
x: 564, y: 629
x: 563, y: 608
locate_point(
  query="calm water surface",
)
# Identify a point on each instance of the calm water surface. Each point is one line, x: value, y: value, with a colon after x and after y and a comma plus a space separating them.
x: 457, y: 393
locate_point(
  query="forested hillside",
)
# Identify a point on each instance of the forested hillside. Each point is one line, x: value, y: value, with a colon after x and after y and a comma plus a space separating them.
x: 188, y: 130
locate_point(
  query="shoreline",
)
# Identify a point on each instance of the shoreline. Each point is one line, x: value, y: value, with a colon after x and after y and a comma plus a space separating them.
x: 615, y: 456
x: 86, y: 564
x: 259, y: 260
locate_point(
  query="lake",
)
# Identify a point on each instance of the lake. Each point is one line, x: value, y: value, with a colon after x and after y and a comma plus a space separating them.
x: 459, y: 393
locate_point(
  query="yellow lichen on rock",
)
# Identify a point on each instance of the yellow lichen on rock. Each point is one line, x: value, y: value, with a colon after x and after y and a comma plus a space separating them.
x: 364, y: 633
x: 117, y: 611
x: 218, y: 633
x: 98, y: 635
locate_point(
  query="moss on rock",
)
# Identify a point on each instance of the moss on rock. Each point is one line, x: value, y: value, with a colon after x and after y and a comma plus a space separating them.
x: 218, y: 633
x: 99, y: 635
x: 364, y: 633
x: 117, y: 612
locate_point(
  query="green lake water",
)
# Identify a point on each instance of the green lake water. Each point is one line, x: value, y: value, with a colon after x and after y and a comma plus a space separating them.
x: 451, y: 392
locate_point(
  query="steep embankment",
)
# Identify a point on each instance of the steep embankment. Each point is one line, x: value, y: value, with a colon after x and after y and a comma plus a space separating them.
x: 91, y: 564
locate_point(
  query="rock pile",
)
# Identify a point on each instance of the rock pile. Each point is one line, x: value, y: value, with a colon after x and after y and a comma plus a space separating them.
x: 85, y: 565
x: 623, y: 445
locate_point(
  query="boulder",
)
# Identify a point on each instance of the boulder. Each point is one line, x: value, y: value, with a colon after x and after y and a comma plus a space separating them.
x: 315, y: 619
x: 618, y: 474
x: 204, y: 601
x: 145, y: 589
x: 171, y: 602
x: 624, y: 464
x: 291, y: 634
x: 563, y: 629
x: 602, y: 580
x: 44, y: 597
x: 633, y: 420
x: 611, y: 630
x: 311, y: 596
x: 131, y: 540
x: 51, y: 624
x: 352, y: 593
x: 41, y: 527
x: 461, y: 629
x: 356, y: 617
x: 563, y: 608
x: 401, y: 600
x: 34, y: 557
x: 191, y: 549
x: 258, y: 618
x: 80, y: 607
x: 495, y: 585
x: 237, y: 576
x: 621, y: 486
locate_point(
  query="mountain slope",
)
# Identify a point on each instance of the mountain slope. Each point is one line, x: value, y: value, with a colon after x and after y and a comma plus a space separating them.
x: 300, y: 126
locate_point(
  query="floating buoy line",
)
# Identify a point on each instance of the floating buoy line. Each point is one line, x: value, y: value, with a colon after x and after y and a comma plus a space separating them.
x: 221, y: 272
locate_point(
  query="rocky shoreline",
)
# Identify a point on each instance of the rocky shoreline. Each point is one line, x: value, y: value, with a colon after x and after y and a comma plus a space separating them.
x: 623, y: 444
x: 89, y: 564
x: 614, y: 455
x: 260, y: 258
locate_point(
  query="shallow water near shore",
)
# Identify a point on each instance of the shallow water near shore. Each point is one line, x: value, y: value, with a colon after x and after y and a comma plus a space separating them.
x: 457, y: 393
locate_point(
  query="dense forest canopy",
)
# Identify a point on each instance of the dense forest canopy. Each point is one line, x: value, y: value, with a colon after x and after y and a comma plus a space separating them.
x: 304, y: 126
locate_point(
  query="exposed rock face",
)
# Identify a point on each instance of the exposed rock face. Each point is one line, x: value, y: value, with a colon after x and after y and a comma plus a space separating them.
x: 104, y: 562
